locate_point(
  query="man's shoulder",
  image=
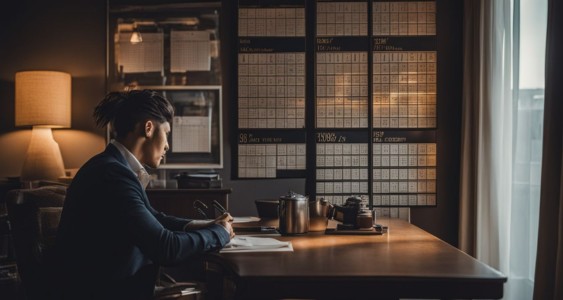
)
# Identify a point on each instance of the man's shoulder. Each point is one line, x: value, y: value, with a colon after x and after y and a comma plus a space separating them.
x: 102, y: 174
x: 105, y: 164
x: 109, y: 156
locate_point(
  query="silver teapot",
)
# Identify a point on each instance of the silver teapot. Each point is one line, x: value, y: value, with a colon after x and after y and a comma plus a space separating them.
x: 293, y: 211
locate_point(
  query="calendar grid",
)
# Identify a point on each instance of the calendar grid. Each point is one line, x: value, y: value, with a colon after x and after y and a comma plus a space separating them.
x: 404, y: 174
x: 342, y: 171
x: 402, y: 213
x: 274, y: 22
x: 416, y: 18
x: 404, y: 89
x: 342, y: 90
x: 342, y: 19
x: 373, y: 67
x: 271, y: 90
x: 264, y: 160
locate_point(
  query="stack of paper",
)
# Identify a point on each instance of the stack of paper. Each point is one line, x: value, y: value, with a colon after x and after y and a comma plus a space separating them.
x: 256, y: 244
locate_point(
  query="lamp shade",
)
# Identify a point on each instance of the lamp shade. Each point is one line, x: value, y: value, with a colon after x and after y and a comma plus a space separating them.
x: 43, y: 99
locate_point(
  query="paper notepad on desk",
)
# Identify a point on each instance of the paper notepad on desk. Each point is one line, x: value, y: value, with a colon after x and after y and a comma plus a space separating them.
x: 256, y: 244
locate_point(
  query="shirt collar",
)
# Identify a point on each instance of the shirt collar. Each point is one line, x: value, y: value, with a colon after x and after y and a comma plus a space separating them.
x: 133, y: 163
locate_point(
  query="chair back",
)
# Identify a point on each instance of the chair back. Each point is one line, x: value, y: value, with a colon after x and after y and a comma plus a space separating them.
x: 34, y: 216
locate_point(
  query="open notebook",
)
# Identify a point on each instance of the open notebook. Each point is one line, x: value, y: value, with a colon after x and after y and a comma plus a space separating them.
x: 256, y: 244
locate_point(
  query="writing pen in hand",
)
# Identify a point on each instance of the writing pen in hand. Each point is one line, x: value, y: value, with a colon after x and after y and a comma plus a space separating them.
x: 200, y: 206
x: 219, y: 207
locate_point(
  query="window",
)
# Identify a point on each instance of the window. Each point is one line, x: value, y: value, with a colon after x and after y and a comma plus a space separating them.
x: 529, y: 81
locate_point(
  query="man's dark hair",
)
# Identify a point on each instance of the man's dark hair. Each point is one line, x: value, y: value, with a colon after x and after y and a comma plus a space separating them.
x: 123, y: 110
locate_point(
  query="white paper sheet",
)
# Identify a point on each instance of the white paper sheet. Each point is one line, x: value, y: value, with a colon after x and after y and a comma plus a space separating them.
x: 256, y: 244
x: 190, y: 51
x: 146, y: 56
x: 191, y: 134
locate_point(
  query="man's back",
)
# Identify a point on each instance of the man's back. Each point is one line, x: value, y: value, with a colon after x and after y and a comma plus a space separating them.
x: 110, y: 241
x: 93, y: 238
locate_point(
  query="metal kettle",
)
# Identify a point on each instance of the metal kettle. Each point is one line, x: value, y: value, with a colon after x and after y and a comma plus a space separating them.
x: 293, y: 211
x: 319, y: 213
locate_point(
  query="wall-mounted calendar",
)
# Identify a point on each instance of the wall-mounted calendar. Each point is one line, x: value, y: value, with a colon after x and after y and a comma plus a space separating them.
x: 354, y: 84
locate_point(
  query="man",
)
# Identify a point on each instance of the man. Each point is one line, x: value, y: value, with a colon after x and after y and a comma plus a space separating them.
x: 110, y: 241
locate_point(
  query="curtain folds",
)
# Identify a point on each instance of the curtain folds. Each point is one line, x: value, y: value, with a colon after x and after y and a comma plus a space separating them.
x: 486, y: 166
x: 549, y: 260
x: 467, y: 213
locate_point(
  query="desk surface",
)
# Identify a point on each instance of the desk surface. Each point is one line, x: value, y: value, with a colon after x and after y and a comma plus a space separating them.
x: 405, y: 262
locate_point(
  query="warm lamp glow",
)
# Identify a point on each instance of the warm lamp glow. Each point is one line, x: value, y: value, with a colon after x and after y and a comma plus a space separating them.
x: 43, y: 160
x: 136, y: 37
x: 43, y: 101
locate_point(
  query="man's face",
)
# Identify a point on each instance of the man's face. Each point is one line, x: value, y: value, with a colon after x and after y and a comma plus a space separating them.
x: 156, y: 144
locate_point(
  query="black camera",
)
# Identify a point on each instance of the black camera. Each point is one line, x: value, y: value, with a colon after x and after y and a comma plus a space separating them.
x: 348, y: 213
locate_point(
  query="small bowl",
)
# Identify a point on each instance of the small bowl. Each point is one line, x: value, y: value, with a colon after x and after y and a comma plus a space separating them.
x: 267, y: 208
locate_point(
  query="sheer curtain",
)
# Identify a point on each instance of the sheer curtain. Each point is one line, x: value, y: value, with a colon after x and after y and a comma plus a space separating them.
x: 486, y: 131
x: 499, y: 186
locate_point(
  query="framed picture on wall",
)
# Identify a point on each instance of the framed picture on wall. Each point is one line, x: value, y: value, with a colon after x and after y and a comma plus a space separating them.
x: 173, y: 49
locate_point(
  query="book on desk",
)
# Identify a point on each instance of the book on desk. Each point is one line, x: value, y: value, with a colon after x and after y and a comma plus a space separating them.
x: 199, y: 180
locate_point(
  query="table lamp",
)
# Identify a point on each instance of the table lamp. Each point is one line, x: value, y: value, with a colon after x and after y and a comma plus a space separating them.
x: 43, y: 101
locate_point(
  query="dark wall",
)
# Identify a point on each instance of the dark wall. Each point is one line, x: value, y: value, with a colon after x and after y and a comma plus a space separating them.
x: 442, y: 220
x: 70, y: 36
x: 59, y: 35
x: 66, y: 36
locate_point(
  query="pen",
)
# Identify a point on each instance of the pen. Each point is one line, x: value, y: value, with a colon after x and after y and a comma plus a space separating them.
x: 219, y: 207
x: 201, y: 213
x: 199, y: 207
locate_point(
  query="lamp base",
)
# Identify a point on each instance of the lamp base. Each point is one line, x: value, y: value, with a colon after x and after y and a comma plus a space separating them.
x: 43, y: 160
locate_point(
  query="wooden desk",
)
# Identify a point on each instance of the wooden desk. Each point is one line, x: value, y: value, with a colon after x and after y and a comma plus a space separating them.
x: 179, y: 202
x: 406, y: 262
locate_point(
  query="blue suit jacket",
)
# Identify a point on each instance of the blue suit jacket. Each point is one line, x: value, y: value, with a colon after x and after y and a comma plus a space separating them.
x: 111, y: 241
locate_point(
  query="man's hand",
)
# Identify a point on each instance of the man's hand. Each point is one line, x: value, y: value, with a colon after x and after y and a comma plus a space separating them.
x: 223, y: 220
